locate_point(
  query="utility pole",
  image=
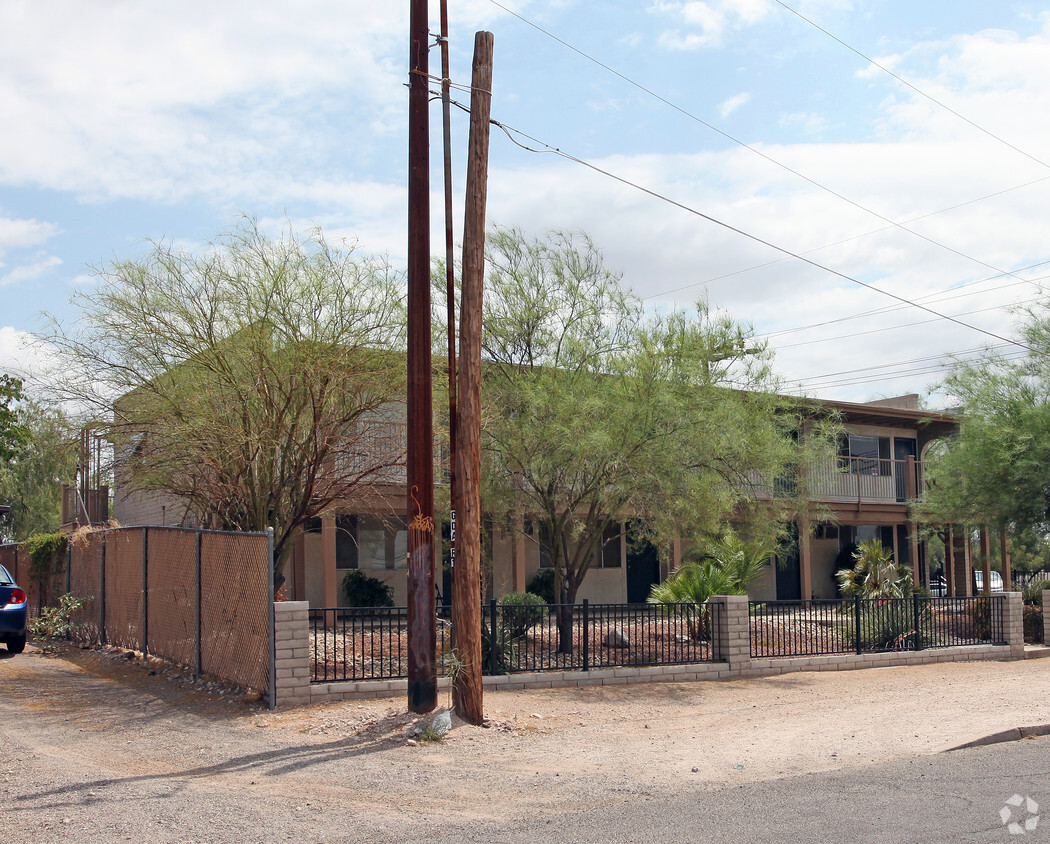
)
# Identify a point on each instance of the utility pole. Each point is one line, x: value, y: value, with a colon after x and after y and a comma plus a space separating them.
x: 450, y: 275
x: 422, y: 619
x: 466, y: 576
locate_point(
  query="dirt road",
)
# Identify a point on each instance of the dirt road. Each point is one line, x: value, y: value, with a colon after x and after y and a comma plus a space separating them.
x: 94, y: 747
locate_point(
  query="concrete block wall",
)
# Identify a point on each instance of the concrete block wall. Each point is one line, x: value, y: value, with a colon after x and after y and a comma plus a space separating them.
x: 292, y: 658
x: 1013, y: 624
x: 732, y: 634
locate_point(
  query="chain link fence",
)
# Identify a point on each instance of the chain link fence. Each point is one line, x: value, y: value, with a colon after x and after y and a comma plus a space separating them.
x: 198, y: 598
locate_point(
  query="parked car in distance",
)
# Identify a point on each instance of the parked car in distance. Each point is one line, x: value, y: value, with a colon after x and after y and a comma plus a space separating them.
x: 996, y: 582
x: 14, y: 613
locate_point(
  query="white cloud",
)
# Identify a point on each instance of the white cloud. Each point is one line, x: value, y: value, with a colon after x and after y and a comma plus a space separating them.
x: 727, y: 107
x: 28, y: 272
x: 704, y: 24
x: 20, y: 234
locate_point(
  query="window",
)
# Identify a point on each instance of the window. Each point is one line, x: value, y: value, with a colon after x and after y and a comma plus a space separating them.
x: 346, y: 542
x: 825, y: 530
x: 608, y: 556
x: 382, y: 542
x: 860, y: 454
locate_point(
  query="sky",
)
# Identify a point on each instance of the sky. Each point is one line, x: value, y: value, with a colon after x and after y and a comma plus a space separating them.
x: 799, y: 164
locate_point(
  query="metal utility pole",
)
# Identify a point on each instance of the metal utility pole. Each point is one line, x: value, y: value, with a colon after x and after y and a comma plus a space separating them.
x: 422, y: 619
x: 466, y: 577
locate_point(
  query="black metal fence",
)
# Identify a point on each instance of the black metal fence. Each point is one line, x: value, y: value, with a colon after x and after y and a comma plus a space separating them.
x: 813, y: 628
x: 372, y: 644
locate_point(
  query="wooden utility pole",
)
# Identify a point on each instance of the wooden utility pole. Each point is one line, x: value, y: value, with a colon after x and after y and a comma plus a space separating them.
x: 466, y: 577
x: 450, y: 275
x: 422, y: 618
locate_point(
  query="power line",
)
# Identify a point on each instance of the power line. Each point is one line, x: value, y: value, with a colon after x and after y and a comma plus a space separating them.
x: 891, y: 327
x: 858, y: 237
x: 739, y: 142
x: 918, y: 91
x: 939, y: 296
x: 553, y: 150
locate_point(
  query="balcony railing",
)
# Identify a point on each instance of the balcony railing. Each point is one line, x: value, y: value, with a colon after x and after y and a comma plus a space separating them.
x: 860, y: 479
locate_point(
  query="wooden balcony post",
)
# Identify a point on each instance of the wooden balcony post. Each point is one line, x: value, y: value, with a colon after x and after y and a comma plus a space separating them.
x: 986, y: 559
x: 331, y: 597
x: 1004, y: 550
x: 805, y: 559
x: 949, y: 563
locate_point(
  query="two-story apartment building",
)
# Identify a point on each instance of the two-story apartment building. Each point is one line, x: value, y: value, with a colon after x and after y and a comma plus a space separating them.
x: 864, y: 492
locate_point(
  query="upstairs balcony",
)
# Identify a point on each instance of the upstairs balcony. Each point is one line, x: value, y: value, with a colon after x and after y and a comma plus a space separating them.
x: 860, y: 480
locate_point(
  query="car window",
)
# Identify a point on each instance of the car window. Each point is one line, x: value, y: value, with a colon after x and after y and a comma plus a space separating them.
x: 5, y: 577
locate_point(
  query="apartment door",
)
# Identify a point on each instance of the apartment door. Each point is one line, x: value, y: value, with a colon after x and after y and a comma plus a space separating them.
x: 903, y: 448
x: 789, y: 573
x: 643, y: 570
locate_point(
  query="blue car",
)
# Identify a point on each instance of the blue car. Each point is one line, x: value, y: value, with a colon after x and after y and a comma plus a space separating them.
x: 13, y: 613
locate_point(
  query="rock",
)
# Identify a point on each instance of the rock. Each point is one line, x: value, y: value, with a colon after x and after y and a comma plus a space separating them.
x: 616, y: 638
x: 441, y: 723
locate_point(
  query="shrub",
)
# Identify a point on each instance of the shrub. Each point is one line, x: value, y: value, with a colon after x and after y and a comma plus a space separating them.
x: 542, y: 584
x: 504, y: 651
x: 980, y: 612
x: 874, y: 574
x: 361, y: 590
x: 889, y: 625
x: 521, y: 612
x: 54, y: 623
x: 46, y: 554
x: 1032, y: 593
x: 1034, y: 632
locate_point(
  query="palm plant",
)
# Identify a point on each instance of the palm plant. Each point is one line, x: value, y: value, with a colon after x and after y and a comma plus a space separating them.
x: 728, y: 566
x: 874, y: 574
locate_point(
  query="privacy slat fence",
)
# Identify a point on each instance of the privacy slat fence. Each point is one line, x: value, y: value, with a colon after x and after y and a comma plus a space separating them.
x: 198, y: 598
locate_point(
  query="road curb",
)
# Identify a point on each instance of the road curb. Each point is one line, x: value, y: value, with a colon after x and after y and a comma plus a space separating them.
x: 1016, y: 734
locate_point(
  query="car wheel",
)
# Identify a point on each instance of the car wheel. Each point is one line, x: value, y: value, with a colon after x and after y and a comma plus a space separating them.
x: 16, y: 644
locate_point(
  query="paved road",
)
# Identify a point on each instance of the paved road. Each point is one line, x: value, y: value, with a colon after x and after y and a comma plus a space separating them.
x: 954, y: 797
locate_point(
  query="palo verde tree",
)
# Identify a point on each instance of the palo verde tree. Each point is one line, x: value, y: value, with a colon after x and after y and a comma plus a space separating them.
x: 595, y: 411
x: 995, y: 469
x: 251, y: 379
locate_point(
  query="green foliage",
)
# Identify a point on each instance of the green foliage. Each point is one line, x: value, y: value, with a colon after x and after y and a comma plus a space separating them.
x: 1032, y: 592
x: 12, y: 434
x: 542, y: 584
x: 47, y: 554
x: 995, y: 469
x: 521, y: 611
x: 249, y: 375
x: 31, y: 481
x: 874, y: 574
x: 1032, y: 617
x: 596, y: 408
x: 728, y: 566
x: 980, y: 612
x: 504, y: 651
x: 362, y: 590
x: 54, y: 623
x: 890, y: 625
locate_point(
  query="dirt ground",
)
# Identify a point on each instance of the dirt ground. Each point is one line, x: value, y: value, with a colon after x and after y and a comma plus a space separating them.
x: 80, y: 726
